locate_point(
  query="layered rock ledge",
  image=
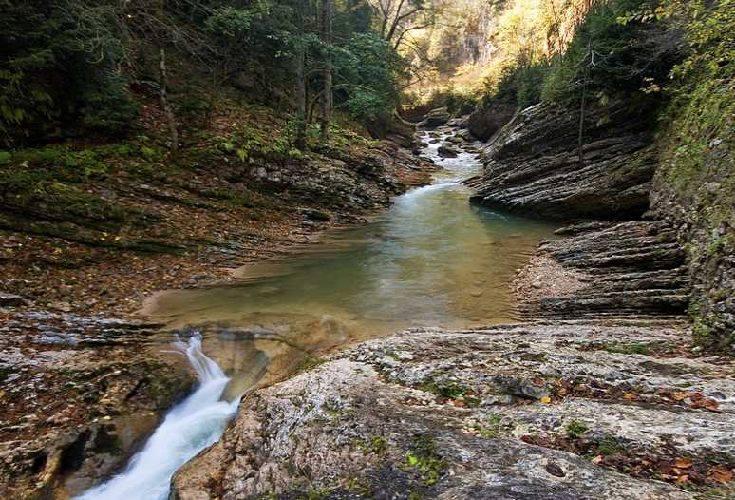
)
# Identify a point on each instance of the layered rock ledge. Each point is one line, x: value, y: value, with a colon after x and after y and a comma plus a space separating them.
x: 619, y: 269
x: 543, y: 410
x: 533, y: 165
x: 80, y: 394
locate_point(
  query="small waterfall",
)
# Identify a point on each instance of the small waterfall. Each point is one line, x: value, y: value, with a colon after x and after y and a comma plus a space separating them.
x: 195, y: 423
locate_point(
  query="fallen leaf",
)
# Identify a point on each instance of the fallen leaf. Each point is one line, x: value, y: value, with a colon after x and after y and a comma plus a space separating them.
x: 682, y: 463
x: 720, y: 475
x: 695, y: 396
x: 545, y: 400
x: 711, y: 405
x: 679, y: 396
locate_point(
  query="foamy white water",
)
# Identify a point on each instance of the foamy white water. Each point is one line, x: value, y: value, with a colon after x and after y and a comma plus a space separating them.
x: 191, y: 426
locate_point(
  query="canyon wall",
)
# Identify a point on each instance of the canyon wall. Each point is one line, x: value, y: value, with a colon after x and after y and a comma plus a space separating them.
x: 533, y: 165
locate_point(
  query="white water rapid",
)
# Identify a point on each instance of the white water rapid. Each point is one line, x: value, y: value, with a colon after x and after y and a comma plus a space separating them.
x: 191, y: 426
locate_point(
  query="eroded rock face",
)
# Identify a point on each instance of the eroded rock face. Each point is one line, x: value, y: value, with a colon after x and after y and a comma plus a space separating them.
x: 484, y: 122
x: 358, y: 181
x: 617, y: 269
x: 435, y: 118
x: 504, y: 412
x: 79, y: 395
x: 700, y: 203
x: 533, y: 165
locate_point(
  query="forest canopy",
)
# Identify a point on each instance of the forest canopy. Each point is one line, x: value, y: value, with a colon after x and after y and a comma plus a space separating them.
x: 79, y: 67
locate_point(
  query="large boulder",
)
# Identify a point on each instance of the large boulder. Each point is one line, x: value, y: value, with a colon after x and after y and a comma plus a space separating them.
x: 435, y: 118
x: 448, y: 151
x: 484, y: 122
x: 533, y: 164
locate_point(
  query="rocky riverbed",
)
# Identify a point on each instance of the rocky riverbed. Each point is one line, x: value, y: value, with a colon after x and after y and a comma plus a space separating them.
x: 541, y: 410
x: 82, y: 381
x: 599, y: 393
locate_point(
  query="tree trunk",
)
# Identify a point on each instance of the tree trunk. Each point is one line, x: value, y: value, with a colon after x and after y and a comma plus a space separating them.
x: 300, y: 76
x: 168, y: 111
x: 326, y: 98
x: 583, y: 103
x: 580, y: 135
x: 300, y: 140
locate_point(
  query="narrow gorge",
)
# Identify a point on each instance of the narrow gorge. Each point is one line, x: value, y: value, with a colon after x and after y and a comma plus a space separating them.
x: 367, y: 249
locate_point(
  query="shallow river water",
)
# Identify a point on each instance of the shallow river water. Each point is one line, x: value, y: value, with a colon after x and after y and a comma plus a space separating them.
x: 432, y: 259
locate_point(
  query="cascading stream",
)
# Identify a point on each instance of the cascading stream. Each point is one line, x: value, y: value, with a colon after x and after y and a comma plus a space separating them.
x: 191, y: 426
x: 430, y: 260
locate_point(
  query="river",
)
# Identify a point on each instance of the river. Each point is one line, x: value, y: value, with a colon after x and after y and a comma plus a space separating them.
x: 432, y: 259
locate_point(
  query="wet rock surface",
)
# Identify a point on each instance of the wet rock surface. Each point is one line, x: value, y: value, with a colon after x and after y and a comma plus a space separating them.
x: 541, y: 410
x: 79, y: 396
x: 533, y: 165
x: 600, y: 394
x: 81, y: 383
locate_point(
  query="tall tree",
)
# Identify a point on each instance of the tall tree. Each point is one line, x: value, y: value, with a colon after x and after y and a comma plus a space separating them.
x: 325, y: 32
x: 397, y: 18
x: 300, y: 74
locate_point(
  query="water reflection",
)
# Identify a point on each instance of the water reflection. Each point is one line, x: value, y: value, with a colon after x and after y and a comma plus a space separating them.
x: 431, y: 260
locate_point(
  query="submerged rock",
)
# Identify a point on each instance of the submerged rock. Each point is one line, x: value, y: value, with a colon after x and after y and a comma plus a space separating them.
x: 448, y: 151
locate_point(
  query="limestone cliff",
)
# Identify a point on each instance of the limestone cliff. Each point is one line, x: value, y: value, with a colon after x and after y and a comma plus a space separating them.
x: 694, y: 188
x: 533, y: 165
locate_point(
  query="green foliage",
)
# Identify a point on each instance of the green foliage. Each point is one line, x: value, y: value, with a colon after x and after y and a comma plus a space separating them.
x: 632, y: 348
x: 575, y: 429
x: 614, y: 55
x: 249, y: 144
x: 368, y: 72
x: 58, y: 68
x: 609, y: 445
x: 49, y: 184
x: 523, y: 85
x: 73, y: 68
x: 699, y: 150
x: 376, y: 444
x: 457, y: 101
x: 425, y: 458
x: 491, y: 428
x: 231, y: 22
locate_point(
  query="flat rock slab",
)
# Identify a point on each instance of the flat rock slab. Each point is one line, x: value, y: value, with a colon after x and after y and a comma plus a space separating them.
x: 9, y: 300
x: 481, y: 413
